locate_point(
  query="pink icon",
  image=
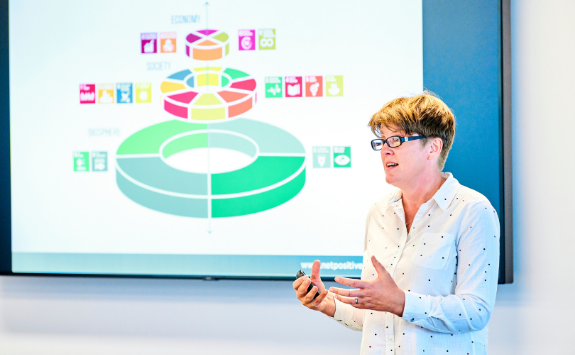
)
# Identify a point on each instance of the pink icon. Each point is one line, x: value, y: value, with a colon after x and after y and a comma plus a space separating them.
x: 247, y: 40
x: 149, y: 43
x: 293, y: 86
x: 87, y: 93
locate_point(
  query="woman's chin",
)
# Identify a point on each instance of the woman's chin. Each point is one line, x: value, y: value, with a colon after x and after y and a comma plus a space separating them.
x: 390, y: 179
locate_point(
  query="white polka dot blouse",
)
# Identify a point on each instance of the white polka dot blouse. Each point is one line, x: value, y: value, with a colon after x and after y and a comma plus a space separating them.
x: 447, y: 265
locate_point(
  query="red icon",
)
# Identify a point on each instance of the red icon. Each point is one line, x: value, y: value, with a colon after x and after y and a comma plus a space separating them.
x: 87, y: 93
x: 293, y: 86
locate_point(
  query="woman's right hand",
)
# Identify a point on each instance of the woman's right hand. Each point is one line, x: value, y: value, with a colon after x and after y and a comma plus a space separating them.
x: 325, y: 302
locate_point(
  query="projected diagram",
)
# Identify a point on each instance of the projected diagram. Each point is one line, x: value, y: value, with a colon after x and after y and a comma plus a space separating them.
x: 182, y: 94
x: 207, y: 103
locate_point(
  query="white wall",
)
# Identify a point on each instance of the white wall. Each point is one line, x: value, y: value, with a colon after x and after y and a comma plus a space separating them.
x: 532, y: 316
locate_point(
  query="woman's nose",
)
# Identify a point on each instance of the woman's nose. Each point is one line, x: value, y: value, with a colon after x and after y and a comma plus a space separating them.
x: 386, y: 150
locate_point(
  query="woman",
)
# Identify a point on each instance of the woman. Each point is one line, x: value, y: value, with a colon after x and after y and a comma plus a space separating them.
x: 431, y: 247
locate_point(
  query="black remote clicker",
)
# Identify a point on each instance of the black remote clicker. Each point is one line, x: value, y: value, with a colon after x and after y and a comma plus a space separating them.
x: 300, y: 274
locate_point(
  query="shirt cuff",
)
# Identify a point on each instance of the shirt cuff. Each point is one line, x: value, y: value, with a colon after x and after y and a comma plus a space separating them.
x: 416, y: 307
x: 342, y: 312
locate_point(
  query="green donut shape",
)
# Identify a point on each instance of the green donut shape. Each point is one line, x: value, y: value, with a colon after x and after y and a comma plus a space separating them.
x: 275, y: 175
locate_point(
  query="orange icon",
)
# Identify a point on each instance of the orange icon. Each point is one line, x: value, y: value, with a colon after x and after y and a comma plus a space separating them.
x: 313, y: 86
x: 167, y: 42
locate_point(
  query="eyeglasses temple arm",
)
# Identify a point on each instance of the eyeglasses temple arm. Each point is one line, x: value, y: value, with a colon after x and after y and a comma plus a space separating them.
x: 407, y: 139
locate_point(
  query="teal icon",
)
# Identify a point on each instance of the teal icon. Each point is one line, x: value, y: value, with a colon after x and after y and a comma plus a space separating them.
x: 81, y: 161
x: 274, y: 85
x: 124, y: 93
x: 342, y: 157
x: 99, y: 161
x: 275, y: 176
x: 321, y: 157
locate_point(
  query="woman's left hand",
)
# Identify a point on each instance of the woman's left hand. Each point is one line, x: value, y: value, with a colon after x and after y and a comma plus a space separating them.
x: 381, y: 294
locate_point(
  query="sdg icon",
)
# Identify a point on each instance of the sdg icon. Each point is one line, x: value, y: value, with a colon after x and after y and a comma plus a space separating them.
x: 81, y: 161
x: 267, y: 39
x: 87, y: 93
x: 342, y: 157
x: 124, y: 93
x: 99, y: 161
x: 274, y: 86
x: 293, y: 86
x: 321, y: 157
x: 149, y: 43
x: 247, y: 40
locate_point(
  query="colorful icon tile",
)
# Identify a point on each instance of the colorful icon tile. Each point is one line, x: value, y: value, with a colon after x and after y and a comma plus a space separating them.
x: 267, y: 39
x: 99, y: 161
x: 167, y: 42
x: 207, y: 45
x: 143, y: 93
x: 149, y: 43
x: 293, y: 86
x: 334, y: 85
x: 247, y: 40
x: 321, y: 157
x: 124, y: 93
x: 81, y: 161
x: 87, y: 93
x: 274, y: 87
x: 342, y: 157
x: 105, y: 93
x: 313, y: 86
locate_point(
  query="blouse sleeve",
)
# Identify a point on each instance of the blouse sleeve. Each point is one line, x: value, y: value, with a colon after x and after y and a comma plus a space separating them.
x: 348, y: 316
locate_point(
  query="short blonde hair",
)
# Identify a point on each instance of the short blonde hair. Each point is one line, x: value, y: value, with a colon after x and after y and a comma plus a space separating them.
x: 423, y: 114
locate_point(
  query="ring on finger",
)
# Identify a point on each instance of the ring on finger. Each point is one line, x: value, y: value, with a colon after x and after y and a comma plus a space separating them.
x: 356, y: 301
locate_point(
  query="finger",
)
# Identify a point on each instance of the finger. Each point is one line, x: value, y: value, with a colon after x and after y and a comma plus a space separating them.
x: 310, y: 295
x: 315, y: 270
x: 351, y: 301
x: 319, y: 298
x: 346, y: 292
x: 302, y: 290
x: 378, y: 266
x: 298, y: 282
x: 315, y: 278
x: 350, y: 282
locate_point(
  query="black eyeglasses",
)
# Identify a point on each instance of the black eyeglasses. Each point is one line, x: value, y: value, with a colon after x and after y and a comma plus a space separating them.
x: 392, y: 142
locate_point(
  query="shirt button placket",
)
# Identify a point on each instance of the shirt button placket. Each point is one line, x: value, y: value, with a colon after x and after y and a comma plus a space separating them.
x: 398, y: 253
x: 389, y: 338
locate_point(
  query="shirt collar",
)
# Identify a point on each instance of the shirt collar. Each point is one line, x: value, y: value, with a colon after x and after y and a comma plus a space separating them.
x: 442, y: 197
x: 447, y: 191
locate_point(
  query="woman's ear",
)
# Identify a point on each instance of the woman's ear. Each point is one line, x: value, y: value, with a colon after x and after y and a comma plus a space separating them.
x: 435, y: 146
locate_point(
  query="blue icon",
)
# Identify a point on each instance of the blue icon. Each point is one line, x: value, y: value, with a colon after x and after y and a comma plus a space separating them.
x: 124, y: 93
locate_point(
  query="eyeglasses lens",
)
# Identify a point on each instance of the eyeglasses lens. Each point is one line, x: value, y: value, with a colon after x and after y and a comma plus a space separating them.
x: 394, y: 142
x: 376, y: 144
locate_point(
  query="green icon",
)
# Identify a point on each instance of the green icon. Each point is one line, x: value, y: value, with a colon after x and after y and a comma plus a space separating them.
x: 274, y: 86
x: 342, y: 157
x: 81, y: 161
x: 334, y: 85
x: 99, y: 161
x: 321, y: 157
x: 267, y: 39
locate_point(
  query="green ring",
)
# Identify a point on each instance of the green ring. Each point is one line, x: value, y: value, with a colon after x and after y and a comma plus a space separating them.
x: 276, y: 175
